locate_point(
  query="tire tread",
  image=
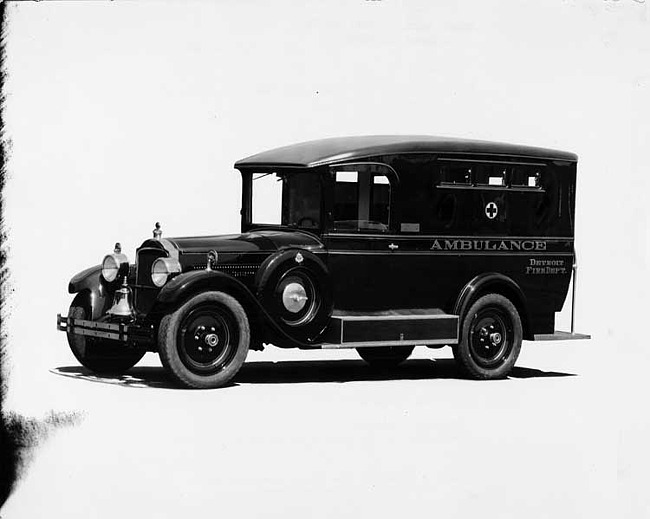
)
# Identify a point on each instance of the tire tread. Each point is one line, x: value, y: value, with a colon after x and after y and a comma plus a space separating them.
x: 167, y: 343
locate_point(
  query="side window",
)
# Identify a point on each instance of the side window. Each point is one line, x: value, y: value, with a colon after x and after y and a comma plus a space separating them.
x: 362, y: 197
x: 267, y: 198
x: 346, y: 196
x: 526, y: 176
x: 380, y: 199
x: 302, y: 195
x: 456, y: 174
x: 491, y: 175
x: 463, y: 173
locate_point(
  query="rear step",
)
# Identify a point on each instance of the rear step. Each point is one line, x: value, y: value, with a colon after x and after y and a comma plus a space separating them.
x: 410, y: 327
x: 572, y: 335
x: 560, y: 336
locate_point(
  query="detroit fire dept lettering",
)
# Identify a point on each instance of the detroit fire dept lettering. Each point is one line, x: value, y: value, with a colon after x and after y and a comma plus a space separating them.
x: 489, y: 245
x: 543, y: 266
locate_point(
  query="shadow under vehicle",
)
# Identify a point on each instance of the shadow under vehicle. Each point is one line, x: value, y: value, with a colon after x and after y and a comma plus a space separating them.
x: 379, y: 243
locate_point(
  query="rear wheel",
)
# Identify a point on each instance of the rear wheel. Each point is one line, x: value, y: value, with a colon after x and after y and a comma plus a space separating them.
x: 491, y: 338
x: 204, y: 342
x: 96, y: 354
x: 385, y: 356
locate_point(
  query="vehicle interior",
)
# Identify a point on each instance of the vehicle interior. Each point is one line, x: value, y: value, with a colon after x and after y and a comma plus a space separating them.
x: 361, y: 199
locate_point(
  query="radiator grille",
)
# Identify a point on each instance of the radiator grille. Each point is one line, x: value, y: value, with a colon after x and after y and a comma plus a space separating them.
x: 145, y: 296
x: 145, y: 259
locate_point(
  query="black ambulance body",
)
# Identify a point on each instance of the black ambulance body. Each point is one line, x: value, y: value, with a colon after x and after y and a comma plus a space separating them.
x: 378, y: 243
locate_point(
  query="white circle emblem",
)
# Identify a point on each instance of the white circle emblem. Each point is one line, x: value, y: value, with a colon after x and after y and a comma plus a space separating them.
x: 491, y: 210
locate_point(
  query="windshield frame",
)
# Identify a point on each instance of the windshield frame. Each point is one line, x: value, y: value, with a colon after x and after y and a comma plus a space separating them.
x: 247, y: 222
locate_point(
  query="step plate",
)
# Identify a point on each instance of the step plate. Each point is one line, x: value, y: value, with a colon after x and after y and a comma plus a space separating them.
x: 561, y: 336
x: 395, y: 329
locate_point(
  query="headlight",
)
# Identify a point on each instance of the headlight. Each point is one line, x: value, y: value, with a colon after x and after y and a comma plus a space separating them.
x: 162, y: 268
x: 113, y: 264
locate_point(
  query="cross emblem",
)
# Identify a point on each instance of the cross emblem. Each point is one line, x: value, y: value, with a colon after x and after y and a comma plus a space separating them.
x: 491, y: 210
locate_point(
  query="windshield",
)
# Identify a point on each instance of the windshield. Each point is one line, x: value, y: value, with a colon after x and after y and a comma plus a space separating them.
x: 290, y: 199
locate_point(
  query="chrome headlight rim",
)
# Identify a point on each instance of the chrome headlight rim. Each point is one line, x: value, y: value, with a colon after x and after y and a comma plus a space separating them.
x: 162, y: 269
x: 119, y: 266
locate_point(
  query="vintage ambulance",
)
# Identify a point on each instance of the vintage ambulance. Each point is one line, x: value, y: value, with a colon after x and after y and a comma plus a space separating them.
x: 379, y: 243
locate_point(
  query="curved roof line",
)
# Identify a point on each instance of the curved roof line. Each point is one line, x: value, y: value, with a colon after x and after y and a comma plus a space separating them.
x: 327, y: 151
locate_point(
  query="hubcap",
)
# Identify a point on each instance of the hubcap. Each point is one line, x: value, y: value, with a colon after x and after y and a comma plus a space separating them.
x: 299, y: 301
x: 294, y: 297
x: 491, y: 337
x: 495, y: 338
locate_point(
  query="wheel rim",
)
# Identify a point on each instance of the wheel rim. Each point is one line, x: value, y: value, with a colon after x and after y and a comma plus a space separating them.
x: 207, y: 339
x: 491, y: 337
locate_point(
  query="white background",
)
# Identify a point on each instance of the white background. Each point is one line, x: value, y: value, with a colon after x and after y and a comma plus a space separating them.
x: 121, y: 114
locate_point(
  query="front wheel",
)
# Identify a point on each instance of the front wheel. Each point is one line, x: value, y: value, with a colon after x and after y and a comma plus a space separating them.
x: 491, y: 336
x: 383, y: 357
x: 204, y: 342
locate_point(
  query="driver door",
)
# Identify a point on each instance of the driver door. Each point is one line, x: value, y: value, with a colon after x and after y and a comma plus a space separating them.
x: 360, y: 238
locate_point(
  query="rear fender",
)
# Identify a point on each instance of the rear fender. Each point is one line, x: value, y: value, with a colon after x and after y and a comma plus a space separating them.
x: 493, y: 282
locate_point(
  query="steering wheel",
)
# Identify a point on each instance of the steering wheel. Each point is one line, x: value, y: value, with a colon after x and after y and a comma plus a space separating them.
x: 307, y: 219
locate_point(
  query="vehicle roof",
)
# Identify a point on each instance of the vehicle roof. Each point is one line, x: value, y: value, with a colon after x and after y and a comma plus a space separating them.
x: 339, y: 149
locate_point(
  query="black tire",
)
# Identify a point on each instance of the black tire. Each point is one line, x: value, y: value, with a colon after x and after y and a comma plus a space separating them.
x: 383, y: 357
x: 203, y: 343
x: 101, y: 356
x: 490, y: 340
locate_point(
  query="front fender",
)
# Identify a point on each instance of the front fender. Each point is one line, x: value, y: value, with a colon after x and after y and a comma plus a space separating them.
x: 90, y: 281
x: 184, y: 286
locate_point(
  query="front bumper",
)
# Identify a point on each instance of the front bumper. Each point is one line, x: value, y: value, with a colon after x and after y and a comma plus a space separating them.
x: 122, y: 332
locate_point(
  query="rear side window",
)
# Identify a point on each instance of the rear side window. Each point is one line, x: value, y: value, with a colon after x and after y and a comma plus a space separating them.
x: 473, y: 174
x: 491, y: 175
x: 526, y: 176
x: 458, y: 172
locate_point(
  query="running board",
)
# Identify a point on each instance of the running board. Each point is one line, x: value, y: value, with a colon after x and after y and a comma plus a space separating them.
x: 560, y: 336
x: 415, y: 327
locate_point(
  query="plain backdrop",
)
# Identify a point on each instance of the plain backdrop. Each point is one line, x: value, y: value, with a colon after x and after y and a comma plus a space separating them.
x: 121, y: 114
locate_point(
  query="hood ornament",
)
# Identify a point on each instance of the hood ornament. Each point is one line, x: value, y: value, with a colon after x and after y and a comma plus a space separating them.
x: 157, y: 233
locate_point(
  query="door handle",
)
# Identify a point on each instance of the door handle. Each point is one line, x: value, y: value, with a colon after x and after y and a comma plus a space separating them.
x: 392, y: 246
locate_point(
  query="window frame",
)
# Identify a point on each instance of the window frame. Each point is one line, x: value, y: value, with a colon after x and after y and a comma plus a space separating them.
x: 385, y: 170
x: 507, y: 174
x: 247, y: 221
